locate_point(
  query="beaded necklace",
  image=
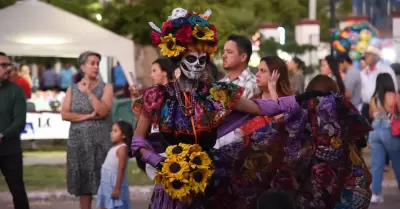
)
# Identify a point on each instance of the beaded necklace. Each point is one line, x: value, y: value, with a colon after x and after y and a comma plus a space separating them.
x: 187, y: 107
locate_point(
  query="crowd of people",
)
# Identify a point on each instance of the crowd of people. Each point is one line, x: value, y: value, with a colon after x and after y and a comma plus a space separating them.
x: 271, y: 139
x: 45, y: 85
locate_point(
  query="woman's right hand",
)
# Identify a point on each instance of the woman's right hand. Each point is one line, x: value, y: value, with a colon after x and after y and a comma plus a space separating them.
x: 272, y: 80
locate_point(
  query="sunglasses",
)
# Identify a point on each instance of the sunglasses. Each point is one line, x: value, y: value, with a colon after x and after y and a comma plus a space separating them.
x: 5, y: 65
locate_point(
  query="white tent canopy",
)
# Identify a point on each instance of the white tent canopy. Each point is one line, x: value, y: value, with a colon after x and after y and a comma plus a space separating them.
x: 35, y: 28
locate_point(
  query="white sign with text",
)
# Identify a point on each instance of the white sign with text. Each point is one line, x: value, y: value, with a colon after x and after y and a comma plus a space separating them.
x: 45, y: 126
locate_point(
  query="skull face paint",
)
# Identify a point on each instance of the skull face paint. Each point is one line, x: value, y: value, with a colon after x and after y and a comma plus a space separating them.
x: 193, y: 64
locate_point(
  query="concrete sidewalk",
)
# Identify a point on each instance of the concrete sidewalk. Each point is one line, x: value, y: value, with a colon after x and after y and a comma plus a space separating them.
x: 48, y: 160
x: 136, y: 192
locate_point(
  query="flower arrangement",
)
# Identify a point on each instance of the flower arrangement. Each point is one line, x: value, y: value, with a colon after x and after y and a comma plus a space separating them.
x: 185, y: 171
x: 185, y: 31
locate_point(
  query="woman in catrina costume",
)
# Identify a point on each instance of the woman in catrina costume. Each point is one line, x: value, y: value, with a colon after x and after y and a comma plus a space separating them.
x: 310, y: 154
x: 192, y: 113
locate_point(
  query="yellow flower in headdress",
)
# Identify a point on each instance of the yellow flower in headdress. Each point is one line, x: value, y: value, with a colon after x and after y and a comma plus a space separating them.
x: 178, y: 190
x: 175, y: 169
x: 199, y: 179
x: 169, y: 47
x: 219, y: 95
x: 178, y: 152
x: 336, y: 143
x: 203, y: 33
x: 200, y: 160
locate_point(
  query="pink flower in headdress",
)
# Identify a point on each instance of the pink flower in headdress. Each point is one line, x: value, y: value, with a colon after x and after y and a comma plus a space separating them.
x: 155, y: 38
x: 212, y: 27
x: 167, y: 25
x: 184, y: 34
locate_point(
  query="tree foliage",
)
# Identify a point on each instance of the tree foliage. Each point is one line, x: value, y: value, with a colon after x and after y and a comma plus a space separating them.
x: 229, y: 16
x: 270, y: 47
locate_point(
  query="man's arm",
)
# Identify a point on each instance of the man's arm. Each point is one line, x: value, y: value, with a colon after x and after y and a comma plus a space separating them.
x: 19, y: 115
x: 350, y: 82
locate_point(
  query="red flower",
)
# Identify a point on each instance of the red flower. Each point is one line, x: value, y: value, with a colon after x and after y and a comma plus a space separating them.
x: 152, y: 99
x: 322, y: 175
x: 155, y: 38
x: 167, y: 25
x: 212, y: 27
x: 184, y: 34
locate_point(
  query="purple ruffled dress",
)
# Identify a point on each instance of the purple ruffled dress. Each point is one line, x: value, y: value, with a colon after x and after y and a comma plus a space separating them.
x: 213, y: 118
x: 312, y: 157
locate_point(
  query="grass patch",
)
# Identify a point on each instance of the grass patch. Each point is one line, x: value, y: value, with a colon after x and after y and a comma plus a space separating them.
x: 43, y: 177
x: 45, y: 154
x: 44, y: 145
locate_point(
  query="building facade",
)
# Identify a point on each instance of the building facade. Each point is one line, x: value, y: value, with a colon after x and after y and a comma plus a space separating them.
x: 379, y: 11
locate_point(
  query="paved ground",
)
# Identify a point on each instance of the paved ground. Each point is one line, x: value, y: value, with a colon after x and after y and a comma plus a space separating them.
x: 47, y: 160
x: 73, y: 205
x: 392, y: 201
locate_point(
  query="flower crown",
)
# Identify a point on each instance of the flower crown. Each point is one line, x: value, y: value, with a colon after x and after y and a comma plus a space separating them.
x: 185, y: 31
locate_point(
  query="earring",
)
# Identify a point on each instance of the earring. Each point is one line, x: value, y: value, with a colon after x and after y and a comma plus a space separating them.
x: 177, y: 73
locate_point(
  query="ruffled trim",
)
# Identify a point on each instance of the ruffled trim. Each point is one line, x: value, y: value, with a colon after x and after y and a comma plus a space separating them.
x: 138, y: 103
x: 234, y: 92
x: 161, y: 200
x: 152, y: 101
x: 224, y: 95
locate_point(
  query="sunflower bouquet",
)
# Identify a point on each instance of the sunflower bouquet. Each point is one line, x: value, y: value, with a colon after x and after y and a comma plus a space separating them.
x: 185, y: 171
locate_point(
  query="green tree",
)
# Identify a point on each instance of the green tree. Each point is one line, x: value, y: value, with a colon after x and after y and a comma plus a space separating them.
x: 230, y: 16
x: 6, y: 3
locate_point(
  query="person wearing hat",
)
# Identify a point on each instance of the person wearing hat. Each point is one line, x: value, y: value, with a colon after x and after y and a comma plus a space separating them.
x: 368, y: 76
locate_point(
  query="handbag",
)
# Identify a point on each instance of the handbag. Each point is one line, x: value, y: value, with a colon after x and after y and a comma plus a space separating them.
x: 395, y: 121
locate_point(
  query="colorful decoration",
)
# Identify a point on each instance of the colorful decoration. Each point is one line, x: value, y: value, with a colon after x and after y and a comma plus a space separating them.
x: 185, y: 31
x: 354, y: 39
x: 185, y: 171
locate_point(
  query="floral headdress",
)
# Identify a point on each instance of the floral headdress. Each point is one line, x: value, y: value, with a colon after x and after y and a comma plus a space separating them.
x: 185, y: 31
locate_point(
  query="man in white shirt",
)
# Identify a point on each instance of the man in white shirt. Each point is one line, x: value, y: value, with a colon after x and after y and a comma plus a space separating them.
x: 236, y: 56
x: 369, y: 75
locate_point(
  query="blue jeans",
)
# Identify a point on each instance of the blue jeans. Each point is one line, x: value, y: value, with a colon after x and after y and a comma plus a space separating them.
x: 381, y: 141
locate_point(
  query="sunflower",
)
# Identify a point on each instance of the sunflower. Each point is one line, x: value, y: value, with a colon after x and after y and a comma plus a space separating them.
x: 177, y: 189
x: 203, y: 33
x: 178, y: 152
x: 194, y: 148
x: 169, y: 47
x: 175, y: 169
x: 199, y: 179
x: 200, y: 160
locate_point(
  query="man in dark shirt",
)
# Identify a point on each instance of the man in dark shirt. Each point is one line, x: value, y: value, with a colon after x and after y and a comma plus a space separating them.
x: 12, y: 123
